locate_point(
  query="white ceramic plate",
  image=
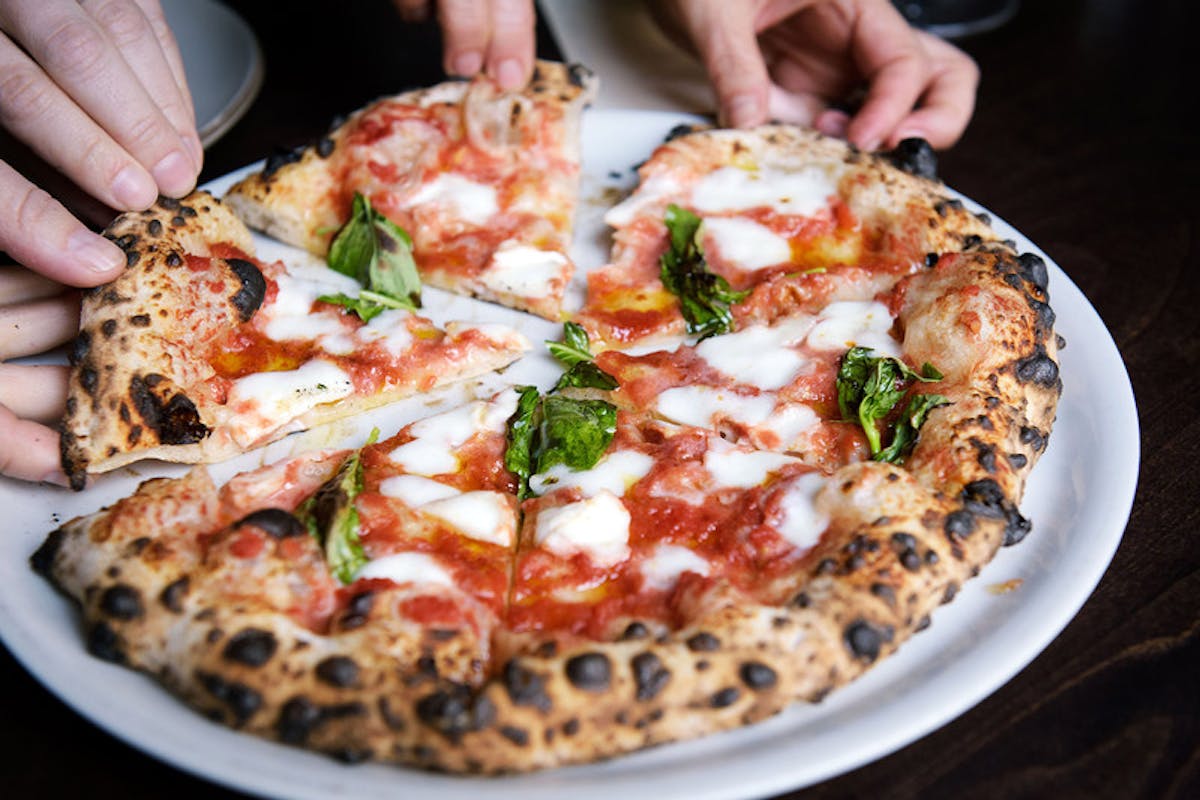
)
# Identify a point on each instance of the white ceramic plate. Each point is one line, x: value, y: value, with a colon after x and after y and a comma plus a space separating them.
x: 222, y: 60
x: 1079, y: 500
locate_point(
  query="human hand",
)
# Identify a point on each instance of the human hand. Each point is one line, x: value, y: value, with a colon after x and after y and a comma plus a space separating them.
x: 96, y: 88
x: 792, y: 59
x: 492, y: 36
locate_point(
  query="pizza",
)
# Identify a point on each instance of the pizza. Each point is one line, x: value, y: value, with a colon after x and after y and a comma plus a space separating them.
x: 485, y: 181
x: 199, y: 351
x: 797, y: 411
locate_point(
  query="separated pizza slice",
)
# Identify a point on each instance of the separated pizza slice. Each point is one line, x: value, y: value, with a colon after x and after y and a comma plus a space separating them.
x: 199, y: 351
x: 777, y: 219
x: 485, y: 181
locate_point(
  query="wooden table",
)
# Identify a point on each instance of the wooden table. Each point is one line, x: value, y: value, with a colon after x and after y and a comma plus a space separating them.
x: 1080, y: 141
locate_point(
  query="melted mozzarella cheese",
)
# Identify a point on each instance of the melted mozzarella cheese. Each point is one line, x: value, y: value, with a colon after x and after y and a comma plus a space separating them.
x: 651, y: 192
x: 798, y: 192
x: 598, y: 527
x: 390, y: 329
x: 744, y: 243
x: 415, y: 490
x: 266, y: 401
x: 741, y: 469
x: 482, y: 515
x: 854, y: 323
x: 523, y: 270
x: 469, y: 201
x: 406, y: 568
x: 789, y: 423
x: 759, y: 355
x: 702, y: 405
x: 800, y: 521
x: 614, y: 473
x: 668, y: 561
x: 431, y: 451
x: 289, y: 317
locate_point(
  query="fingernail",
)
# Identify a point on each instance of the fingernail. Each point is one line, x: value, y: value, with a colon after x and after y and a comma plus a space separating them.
x: 909, y: 133
x: 95, y: 252
x: 744, y: 110
x: 509, y: 74
x: 133, y: 189
x: 56, y: 477
x: 468, y: 64
x: 173, y: 173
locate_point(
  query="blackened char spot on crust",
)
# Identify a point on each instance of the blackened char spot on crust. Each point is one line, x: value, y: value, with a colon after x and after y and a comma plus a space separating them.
x: 959, y: 524
x: 281, y: 157
x: 518, y: 736
x: 357, y: 610
x: 526, y: 687
x: 591, y: 672
x: 296, y: 720
x: 275, y: 522
x: 985, y: 498
x: 42, y: 560
x: 1033, y: 269
x: 682, y: 129
x: 251, y: 646
x: 1039, y: 369
x: 725, y: 697
x: 757, y: 675
x: 985, y: 454
x: 325, y: 147
x: 249, y: 297
x: 104, y: 643
x: 80, y: 348
x: 352, y: 755
x: 455, y: 710
x: 172, y: 596
x: 1017, y: 460
x: 241, y: 700
x: 338, y: 671
x: 108, y: 328
x: 635, y: 630
x: 649, y: 674
x: 121, y: 602
x: 865, y: 641
x: 1033, y: 437
x: 579, y: 75
x: 914, y: 156
x: 703, y: 642
x: 944, y: 207
x: 175, y: 421
x: 140, y: 320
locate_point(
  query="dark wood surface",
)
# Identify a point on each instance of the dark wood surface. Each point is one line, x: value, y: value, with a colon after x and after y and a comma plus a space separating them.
x: 1082, y: 141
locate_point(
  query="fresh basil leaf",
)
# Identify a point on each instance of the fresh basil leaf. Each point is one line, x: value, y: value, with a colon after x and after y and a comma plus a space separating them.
x: 353, y: 246
x: 574, y: 432
x: 366, y: 309
x: 704, y: 297
x: 575, y: 346
x: 378, y: 254
x: 522, y: 425
x: 586, y: 375
x: 332, y: 518
x: 908, y: 426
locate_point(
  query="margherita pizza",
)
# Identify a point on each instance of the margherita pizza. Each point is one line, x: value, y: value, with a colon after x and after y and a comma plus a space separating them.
x: 665, y: 544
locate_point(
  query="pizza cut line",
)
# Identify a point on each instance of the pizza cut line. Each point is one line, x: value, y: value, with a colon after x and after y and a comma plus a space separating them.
x: 673, y: 540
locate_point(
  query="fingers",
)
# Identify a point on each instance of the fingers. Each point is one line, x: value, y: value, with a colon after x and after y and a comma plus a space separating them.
x: 495, y: 36
x: 889, y: 56
x: 38, y: 326
x: 412, y: 10
x: 725, y: 39
x: 109, y: 115
x: 19, y: 285
x: 948, y: 101
x: 28, y: 450
x: 37, y: 393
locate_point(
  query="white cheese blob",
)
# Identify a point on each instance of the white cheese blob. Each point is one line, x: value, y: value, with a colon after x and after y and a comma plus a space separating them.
x: 598, y: 527
x: 289, y: 317
x: 667, y: 562
x: 523, y: 270
x: 653, y: 191
x: 406, y: 568
x: 389, y: 329
x: 797, y: 192
x: 789, y: 423
x: 431, y: 451
x: 702, y: 405
x: 482, y: 515
x: 266, y: 401
x: 740, y: 469
x: 854, y: 323
x: 467, y: 200
x: 614, y: 473
x: 744, y: 243
x: 415, y: 490
x: 800, y: 521
x: 759, y: 355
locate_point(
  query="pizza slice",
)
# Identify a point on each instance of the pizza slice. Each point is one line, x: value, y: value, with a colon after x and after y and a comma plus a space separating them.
x: 777, y: 219
x: 486, y: 182
x: 199, y: 351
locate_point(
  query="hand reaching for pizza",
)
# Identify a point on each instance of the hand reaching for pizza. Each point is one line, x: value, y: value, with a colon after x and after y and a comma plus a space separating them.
x: 491, y: 36
x: 791, y: 60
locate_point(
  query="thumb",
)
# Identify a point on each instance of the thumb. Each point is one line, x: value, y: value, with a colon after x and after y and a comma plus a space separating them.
x: 728, y: 46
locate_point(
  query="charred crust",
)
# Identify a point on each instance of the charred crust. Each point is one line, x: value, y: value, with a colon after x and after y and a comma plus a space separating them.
x: 140, y: 320
x: 175, y: 421
x: 338, y: 671
x: 959, y: 524
x: 950, y: 592
x: 1017, y: 460
x: 570, y: 727
x: 104, y: 643
x: 351, y: 755
x: 946, y: 205
x: 121, y: 602
x: 88, y: 379
x: 280, y: 158
x: 649, y: 674
x: 635, y: 630
x: 885, y: 592
x: 275, y: 522
x: 591, y: 672
x: 985, y: 498
x: 579, y: 75
x: 172, y: 596
x: 241, y: 700
x: 865, y: 641
x: 1033, y: 437
x: 931, y: 260
x: 703, y: 642
x: 154, y: 227
x: 358, y: 610
x: 914, y: 156
x: 525, y: 687
x: 757, y: 675
x: 250, y: 296
x: 296, y: 720
x: 985, y: 454
x: 725, y: 697
x: 325, y: 147
x: 250, y: 646
x: 1033, y: 269
x: 42, y: 560
x: 169, y: 203
x: 800, y: 600
x: 174, y: 259
x: 108, y: 328
x: 518, y: 736
x: 455, y: 711
x: 1039, y: 369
